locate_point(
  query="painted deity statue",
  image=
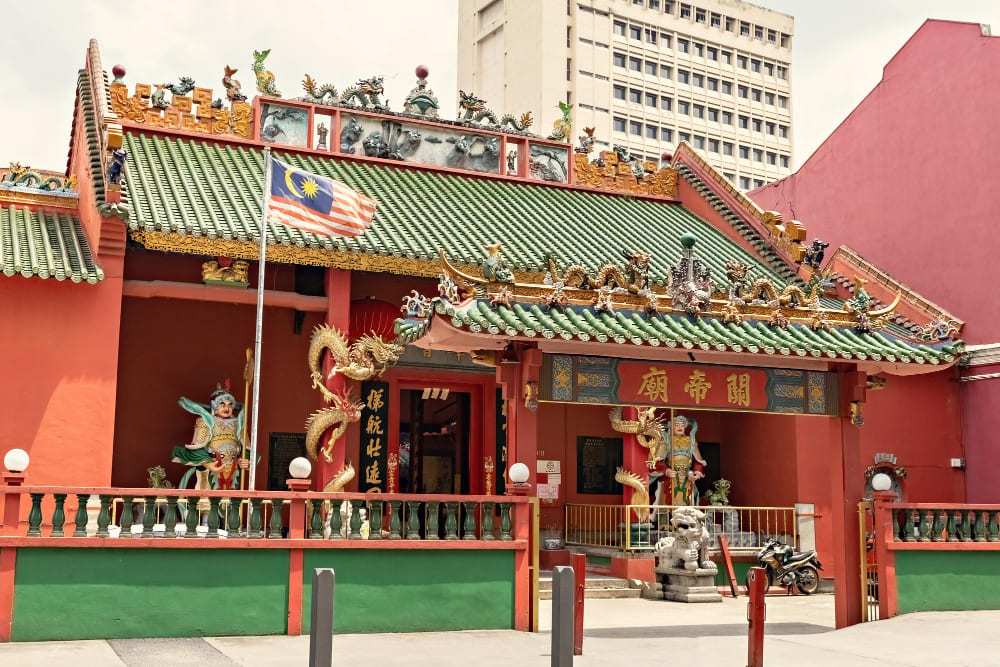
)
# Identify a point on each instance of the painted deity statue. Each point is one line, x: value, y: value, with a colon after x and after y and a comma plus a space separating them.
x: 214, y: 450
x: 681, y: 466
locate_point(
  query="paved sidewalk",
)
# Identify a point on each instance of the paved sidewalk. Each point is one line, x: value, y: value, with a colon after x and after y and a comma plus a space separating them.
x: 629, y: 631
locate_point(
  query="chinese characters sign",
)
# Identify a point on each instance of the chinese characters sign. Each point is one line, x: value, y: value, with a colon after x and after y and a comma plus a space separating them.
x: 608, y: 381
x: 374, y: 434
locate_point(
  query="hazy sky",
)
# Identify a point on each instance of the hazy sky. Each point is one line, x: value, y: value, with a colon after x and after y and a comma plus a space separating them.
x: 838, y: 53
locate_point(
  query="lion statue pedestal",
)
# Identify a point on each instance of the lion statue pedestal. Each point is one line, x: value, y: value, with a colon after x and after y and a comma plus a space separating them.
x: 684, y: 572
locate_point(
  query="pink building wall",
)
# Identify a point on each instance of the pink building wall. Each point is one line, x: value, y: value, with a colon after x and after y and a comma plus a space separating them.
x: 908, y: 181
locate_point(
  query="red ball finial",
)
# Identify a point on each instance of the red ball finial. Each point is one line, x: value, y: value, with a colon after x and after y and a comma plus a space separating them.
x: 118, y: 71
x: 666, y: 156
x: 422, y: 71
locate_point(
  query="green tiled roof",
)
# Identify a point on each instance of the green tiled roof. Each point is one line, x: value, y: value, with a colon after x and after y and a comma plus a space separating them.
x: 627, y: 327
x: 47, y: 245
x: 213, y: 190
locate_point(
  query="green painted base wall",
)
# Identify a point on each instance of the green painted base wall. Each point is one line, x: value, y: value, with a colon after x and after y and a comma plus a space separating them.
x: 412, y: 590
x: 947, y: 580
x: 121, y: 593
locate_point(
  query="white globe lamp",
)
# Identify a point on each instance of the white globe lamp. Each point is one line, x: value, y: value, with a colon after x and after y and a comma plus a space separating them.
x: 519, y: 473
x: 300, y: 467
x: 881, y: 482
x: 16, y: 460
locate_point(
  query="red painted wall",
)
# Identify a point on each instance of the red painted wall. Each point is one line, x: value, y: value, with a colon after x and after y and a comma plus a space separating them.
x: 901, y: 181
x: 58, y: 342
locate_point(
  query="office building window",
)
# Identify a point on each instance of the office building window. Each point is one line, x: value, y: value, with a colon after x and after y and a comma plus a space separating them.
x: 666, y: 134
x: 698, y: 111
x: 683, y: 45
x: 756, y: 124
x: 699, y: 16
x: 664, y: 40
x: 727, y: 88
x: 651, y: 100
x: 665, y: 103
x: 619, y: 28
x: 712, y: 84
x: 713, y: 145
x: 727, y: 148
x: 758, y: 183
x: 744, y: 152
x: 730, y: 177
x: 713, y: 115
x: 650, y: 68
x: 650, y: 35
x: 683, y: 107
x: 652, y: 131
x: 758, y: 33
x: 754, y: 65
x: 727, y: 57
x: 619, y: 59
x: 619, y: 125
x: 758, y: 155
x: 716, y: 20
x: 772, y: 36
x: 785, y: 39
x: 685, y: 11
x: 755, y: 96
x: 635, y: 32
x: 619, y: 92
x: 698, y: 80
x: 635, y: 96
x: 654, y: 4
x: 784, y: 161
x: 744, y: 122
x: 772, y: 158
x: 744, y: 29
x: 713, y: 53
x: 683, y: 76
x: 730, y: 24
x: 635, y: 64
x: 783, y: 131
x: 743, y: 91
x: 727, y: 117
x: 744, y: 183
x: 683, y: 136
x: 770, y: 128
x: 769, y: 99
x: 782, y: 102
x: 699, y: 49
x: 635, y: 127
x: 769, y: 69
x: 741, y: 62
x: 782, y: 72
x: 699, y: 142
x: 664, y: 71
x: 569, y: 70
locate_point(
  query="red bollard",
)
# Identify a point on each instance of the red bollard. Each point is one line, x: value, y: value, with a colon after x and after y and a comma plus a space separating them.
x: 579, y: 563
x: 756, y: 612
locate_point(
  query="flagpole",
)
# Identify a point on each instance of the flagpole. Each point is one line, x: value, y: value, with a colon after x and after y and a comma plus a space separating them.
x: 260, y: 315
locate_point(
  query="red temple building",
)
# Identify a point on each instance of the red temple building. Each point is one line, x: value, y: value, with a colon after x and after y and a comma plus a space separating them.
x: 879, y: 185
x: 516, y: 300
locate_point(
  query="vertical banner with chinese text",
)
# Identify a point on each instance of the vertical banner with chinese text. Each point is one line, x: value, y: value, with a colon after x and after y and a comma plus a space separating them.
x: 374, y: 435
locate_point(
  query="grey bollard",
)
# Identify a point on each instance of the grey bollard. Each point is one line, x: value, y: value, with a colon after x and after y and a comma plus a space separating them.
x: 562, y: 616
x: 321, y: 618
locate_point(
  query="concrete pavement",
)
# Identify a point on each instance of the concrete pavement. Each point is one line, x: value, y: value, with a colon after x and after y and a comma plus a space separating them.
x: 629, y: 631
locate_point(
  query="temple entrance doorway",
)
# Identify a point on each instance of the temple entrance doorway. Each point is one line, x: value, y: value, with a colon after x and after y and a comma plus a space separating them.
x: 434, y: 441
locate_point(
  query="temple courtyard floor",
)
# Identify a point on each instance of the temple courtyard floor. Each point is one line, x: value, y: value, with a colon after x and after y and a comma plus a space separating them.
x: 799, y: 631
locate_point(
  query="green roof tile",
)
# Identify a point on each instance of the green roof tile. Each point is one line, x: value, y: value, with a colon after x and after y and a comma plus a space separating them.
x: 45, y: 244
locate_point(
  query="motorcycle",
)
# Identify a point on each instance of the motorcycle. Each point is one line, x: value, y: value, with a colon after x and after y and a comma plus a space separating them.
x: 794, y: 570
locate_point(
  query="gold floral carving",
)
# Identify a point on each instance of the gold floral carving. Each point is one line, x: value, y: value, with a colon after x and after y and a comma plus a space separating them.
x: 191, y: 113
x: 617, y: 176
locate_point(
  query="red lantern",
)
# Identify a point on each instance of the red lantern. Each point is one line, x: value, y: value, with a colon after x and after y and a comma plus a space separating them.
x: 371, y: 316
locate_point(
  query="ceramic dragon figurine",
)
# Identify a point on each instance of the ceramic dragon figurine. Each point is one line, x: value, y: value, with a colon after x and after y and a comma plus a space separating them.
x: 265, y: 78
x: 365, y: 92
x: 640, y: 494
x: 366, y: 357
x: 634, y: 277
x: 343, y: 412
x: 317, y: 93
x: 473, y: 109
x: 763, y: 292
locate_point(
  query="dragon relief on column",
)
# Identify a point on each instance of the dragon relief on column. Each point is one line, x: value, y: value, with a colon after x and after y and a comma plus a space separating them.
x: 648, y: 430
x: 640, y: 494
x: 367, y: 357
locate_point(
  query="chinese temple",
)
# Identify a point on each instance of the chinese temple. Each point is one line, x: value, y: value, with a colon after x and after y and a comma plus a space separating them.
x: 516, y: 299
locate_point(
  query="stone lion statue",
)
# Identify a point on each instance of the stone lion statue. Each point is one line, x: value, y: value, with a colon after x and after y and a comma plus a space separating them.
x: 688, y: 546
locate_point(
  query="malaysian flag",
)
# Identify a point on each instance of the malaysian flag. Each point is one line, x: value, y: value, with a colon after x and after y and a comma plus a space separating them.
x: 316, y: 204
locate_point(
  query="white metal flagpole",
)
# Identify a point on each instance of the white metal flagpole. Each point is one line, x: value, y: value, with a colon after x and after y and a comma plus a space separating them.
x: 260, y: 316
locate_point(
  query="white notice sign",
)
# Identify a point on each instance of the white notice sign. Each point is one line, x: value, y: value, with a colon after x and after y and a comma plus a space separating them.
x: 548, y: 466
x: 548, y: 491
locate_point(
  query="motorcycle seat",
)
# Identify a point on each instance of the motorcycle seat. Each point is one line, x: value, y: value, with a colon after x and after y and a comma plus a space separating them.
x: 804, y: 556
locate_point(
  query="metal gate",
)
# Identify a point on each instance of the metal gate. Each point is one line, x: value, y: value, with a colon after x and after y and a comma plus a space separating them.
x: 869, y: 569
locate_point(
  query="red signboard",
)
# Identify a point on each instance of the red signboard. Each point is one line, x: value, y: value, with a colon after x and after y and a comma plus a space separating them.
x: 691, y: 385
